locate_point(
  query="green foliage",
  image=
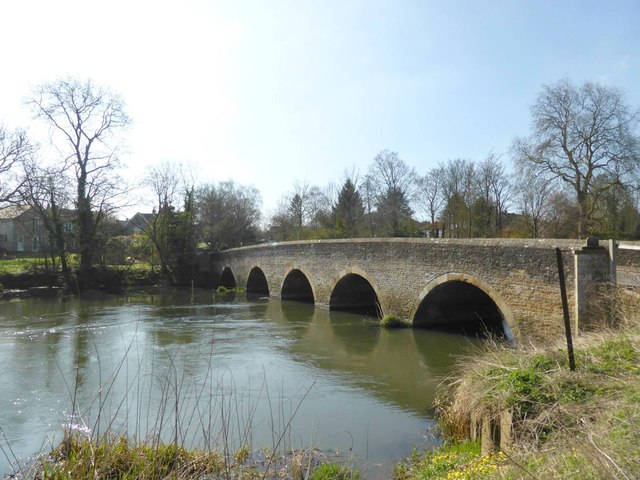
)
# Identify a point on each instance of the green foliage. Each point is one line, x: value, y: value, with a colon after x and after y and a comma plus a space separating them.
x: 576, y: 462
x: 524, y: 391
x: 612, y: 355
x: 542, y: 363
x: 576, y: 391
x: 174, y: 236
x: 452, y: 461
x: 348, y: 211
x: 81, y: 458
x: 333, y: 471
x: 21, y: 265
x: 532, y: 387
x: 391, y: 320
x: 228, y: 214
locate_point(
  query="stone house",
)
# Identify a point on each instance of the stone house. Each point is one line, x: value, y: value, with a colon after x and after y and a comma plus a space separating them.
x: 22, y: 230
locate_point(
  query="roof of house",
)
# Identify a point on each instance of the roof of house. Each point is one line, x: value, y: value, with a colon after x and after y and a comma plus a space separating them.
x: 141, y: 217
x: 13, y: 211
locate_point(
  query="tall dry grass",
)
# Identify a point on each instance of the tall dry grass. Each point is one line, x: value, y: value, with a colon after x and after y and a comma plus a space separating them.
x: 583, y: 424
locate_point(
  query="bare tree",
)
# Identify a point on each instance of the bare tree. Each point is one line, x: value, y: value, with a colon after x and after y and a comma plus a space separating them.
x: 15, y: 149
x: 45, y: 190
x: 495, y: 192
x: 368, y: 199
x: 429, y: 196
x: 84, y: 120
x: 228, y: 214
x: 579, y: 134
x: 535, y: 192
x: 393, y: 184
x: 459, y: 194
x: 281, y: 224
x: 318, y: 206
x: 298, y: 207
x: 165, y: 181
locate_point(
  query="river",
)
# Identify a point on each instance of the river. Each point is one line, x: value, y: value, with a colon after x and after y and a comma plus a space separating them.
x: 218, y: 371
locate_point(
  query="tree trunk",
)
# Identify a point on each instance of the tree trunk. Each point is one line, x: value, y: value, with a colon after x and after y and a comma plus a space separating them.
x: 85, y: 234
x: 583, y: 217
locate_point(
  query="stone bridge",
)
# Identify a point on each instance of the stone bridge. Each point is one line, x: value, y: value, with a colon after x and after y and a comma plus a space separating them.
x: 506, y: 287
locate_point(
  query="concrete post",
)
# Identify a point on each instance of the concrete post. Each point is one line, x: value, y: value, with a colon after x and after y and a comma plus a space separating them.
x: 488, y: 441
x: 613, y: 254
x: 506, y: 429
x: 475, y: 430
x: 592, y: 281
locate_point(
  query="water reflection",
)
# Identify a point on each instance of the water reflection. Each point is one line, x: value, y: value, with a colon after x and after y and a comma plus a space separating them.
x: 400, y: 366
x: 296, y: 312
x: 376, y: 384
x: 357, y: 333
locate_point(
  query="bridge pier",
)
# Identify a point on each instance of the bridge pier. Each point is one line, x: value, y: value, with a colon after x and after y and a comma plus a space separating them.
x: 593, y: 283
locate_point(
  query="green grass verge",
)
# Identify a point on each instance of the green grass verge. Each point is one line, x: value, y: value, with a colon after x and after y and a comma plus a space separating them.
x: 15, y: 266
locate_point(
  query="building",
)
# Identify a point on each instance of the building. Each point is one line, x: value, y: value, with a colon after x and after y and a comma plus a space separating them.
x: 21, y: 229
x: 139, y: 223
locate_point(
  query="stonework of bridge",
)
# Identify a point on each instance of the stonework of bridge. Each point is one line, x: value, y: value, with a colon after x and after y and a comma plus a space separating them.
x: 503, y: 286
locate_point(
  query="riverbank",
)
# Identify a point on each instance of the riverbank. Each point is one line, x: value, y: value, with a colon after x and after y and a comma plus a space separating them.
x: 24, y: 277
x: 80, y: 458
x: 549, y: 422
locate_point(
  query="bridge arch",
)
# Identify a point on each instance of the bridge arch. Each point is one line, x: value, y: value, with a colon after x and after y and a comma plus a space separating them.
x: 462, y: 303
x: 257, y: 282
x: 227, y: 278
x: 296, y: 286
x: 354, y: 291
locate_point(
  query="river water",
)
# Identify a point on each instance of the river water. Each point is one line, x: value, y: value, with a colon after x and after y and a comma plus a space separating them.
x: 216, y: 371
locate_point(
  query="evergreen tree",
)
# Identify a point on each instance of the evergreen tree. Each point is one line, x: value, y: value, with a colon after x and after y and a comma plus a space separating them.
x: 348, y: 211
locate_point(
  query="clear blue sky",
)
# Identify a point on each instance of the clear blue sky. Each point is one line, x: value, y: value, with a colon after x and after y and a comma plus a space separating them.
x: 274, y: 91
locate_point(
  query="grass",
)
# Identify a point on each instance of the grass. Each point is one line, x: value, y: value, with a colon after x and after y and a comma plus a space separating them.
x: 222, y: 290
x: 583, y: 424
x: 81, y: 458
x: 333, y: 471
x: 18, y: 265
x: 452, y: 461
x: 78, y: 457
x: 27, y: 271
x: 392, y: 321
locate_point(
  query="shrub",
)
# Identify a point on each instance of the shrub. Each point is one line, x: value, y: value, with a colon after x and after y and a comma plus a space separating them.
x: 333, y: 471
x: 392, y: 321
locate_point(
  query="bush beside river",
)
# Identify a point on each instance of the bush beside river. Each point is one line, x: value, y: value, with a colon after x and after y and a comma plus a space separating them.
x: 583, y: 424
